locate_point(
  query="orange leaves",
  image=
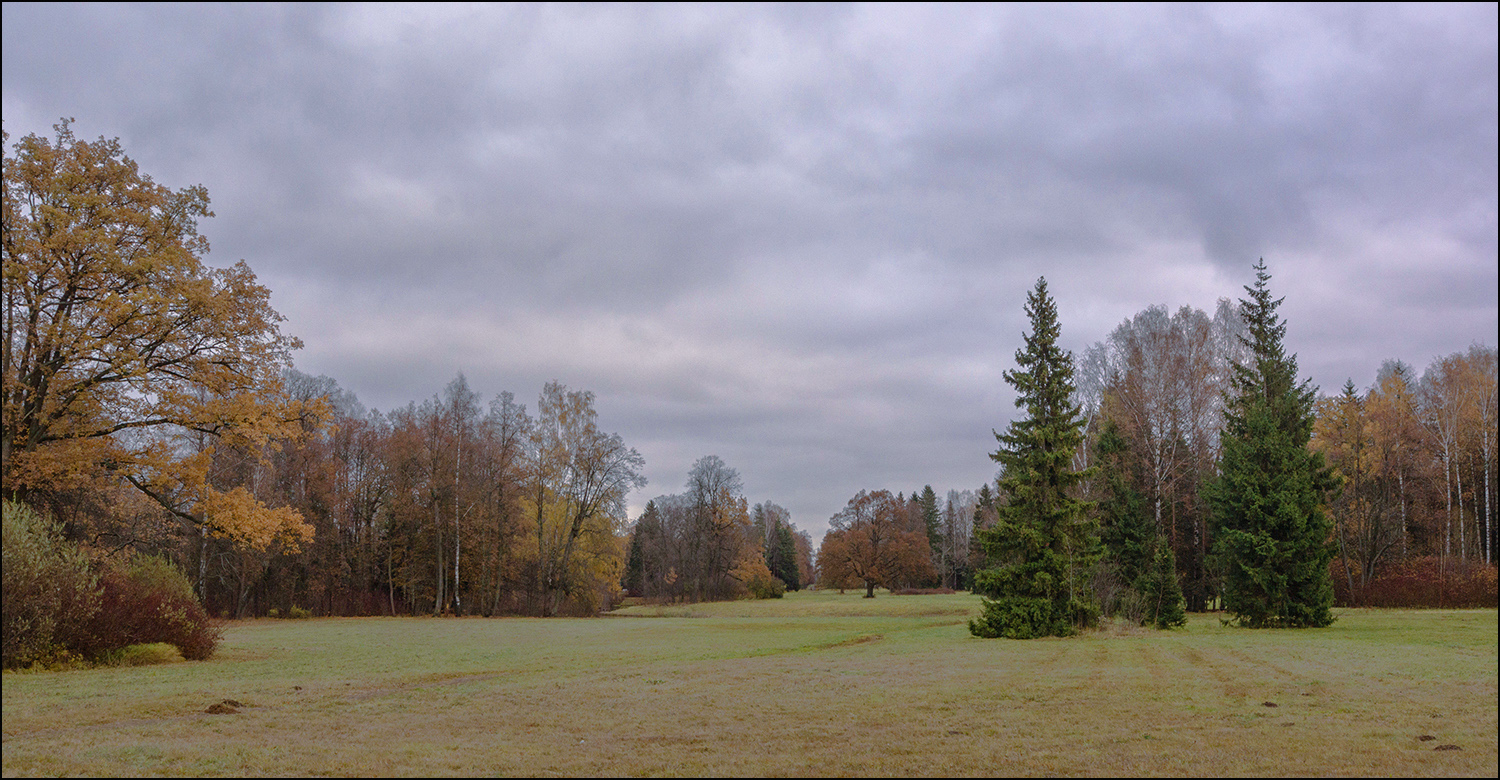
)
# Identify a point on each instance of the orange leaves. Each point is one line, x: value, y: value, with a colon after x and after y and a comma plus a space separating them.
x: 237, y: 515
x: 121, y: 347
x: 872, y: 543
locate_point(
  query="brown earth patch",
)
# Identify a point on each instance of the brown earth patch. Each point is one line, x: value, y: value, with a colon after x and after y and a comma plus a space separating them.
x: 859, y: 640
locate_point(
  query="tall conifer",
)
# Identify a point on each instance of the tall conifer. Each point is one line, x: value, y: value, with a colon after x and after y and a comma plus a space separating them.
x: 1041, y: 545
x: 1271, y: 533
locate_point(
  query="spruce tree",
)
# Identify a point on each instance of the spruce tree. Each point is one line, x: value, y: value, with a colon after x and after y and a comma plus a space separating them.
x: 781, y: 557
x: 1126, y: 527
x: 1271, y: 534
x: 1159, y: 590
x: 636, y: 577
x: 932, y: 521
x: 1040, y: 545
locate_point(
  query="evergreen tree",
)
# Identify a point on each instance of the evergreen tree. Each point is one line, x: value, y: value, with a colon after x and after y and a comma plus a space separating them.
x: 635, y: 566
x: 1044, y: 537
x: 636, y: 577
x: 781, y: 557
x: 1125, y: 525
x: 1159, y: 591
x: 1271, y: 534
x: 933, y: 522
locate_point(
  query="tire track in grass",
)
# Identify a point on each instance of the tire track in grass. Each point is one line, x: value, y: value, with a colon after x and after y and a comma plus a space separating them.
x: 1261, y: 662
x: 1230, y: 685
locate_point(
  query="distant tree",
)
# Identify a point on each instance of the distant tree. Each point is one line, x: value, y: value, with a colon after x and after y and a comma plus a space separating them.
x: 932, y: 522
x: 635, y: 559
x: 1272, y: 535
x: 958, y: 526
x: 869, y: 545
x: 781, y: 557
x: 722, y: 534
x: 578, y: 479
x: 1044, y: 537
x: 984, y: 517
x: 807, y: 572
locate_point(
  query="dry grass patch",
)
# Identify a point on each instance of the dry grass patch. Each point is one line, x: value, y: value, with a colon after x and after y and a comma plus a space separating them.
x: 826, y: 684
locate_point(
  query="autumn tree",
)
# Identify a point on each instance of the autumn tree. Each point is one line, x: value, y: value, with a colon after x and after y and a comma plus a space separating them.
x: 120, y: 345
x: 1272, y: 536
x: 1396, y: 435
x: 577, y: 480
x: 1366, y: 513
x: 1044, y: 538
x: 722, y: 540
x: 870, y: 543
x: 807, y: 572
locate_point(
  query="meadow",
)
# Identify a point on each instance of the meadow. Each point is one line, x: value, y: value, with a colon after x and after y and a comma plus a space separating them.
x: 818, y: 683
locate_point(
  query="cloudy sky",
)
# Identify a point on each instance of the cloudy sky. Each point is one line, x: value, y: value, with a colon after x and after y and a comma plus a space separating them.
x: 799, y: 238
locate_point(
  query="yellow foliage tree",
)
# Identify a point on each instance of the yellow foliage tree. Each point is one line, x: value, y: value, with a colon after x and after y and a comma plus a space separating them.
x: 576, y: 483
x: 120, y: 346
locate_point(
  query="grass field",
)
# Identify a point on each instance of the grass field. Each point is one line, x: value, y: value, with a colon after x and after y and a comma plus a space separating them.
x: 816, y: 683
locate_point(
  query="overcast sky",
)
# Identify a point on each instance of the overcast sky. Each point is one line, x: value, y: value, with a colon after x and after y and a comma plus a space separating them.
x: 799, y: 238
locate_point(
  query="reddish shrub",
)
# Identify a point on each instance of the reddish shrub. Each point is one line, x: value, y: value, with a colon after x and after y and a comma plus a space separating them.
x: 1429, y: 581
x: 148, y: 600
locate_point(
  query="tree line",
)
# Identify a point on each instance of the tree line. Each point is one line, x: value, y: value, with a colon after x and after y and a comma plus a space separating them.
x: 1189, y: 463
x: 707, y: 543
x: 1412, y: 455
x: 150, y: 403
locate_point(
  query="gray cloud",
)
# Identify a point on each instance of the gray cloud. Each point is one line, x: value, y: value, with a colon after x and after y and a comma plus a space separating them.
x: 800, y: 238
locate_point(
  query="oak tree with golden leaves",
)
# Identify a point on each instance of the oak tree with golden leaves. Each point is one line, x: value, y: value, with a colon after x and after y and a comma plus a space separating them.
x: 126, y: 360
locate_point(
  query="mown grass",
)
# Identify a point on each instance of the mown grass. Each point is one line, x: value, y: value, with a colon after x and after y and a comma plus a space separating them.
x: 816, y: 683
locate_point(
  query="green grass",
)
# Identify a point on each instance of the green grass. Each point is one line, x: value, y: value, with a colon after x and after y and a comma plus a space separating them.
x: 816, y: 683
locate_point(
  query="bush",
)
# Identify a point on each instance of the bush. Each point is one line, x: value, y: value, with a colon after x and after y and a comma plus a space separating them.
x: 1019, y: 617
x: 49, y: 592
x: 143, y: 655
x: 59, y: 608
x: 766, y: 587
x: 147, y: 600
x: 1428, y: 581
